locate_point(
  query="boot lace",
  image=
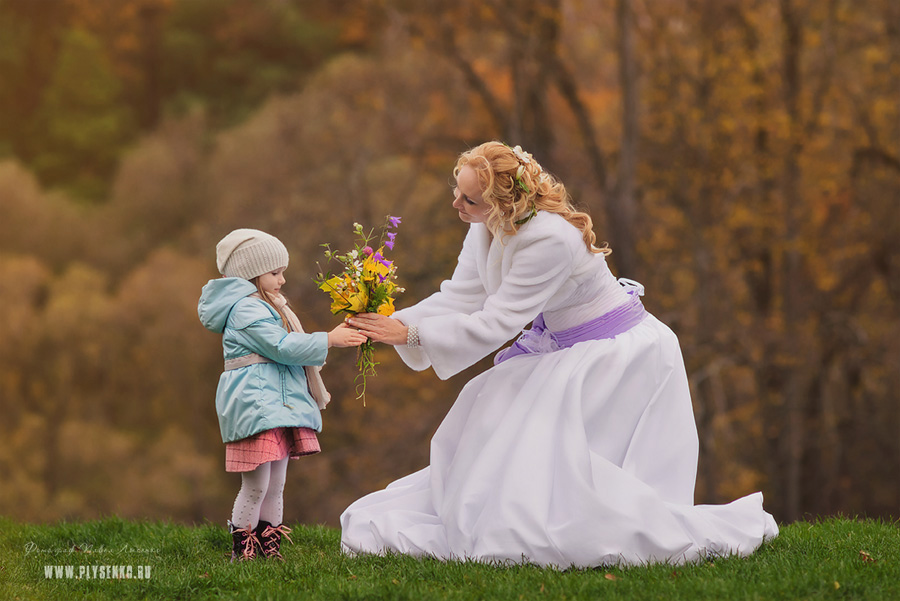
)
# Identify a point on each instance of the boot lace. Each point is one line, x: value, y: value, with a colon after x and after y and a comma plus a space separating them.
x: 271, y: 540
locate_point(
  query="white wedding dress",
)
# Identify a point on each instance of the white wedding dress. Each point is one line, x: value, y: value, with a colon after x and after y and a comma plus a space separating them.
x: 584, y: 456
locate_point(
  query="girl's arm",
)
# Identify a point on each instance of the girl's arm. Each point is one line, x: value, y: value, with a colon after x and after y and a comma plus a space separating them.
x: 344, y: 336
x: 257, y: 329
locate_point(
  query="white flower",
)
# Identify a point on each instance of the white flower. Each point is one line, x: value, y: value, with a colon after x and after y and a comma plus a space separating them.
x: 521, y: 154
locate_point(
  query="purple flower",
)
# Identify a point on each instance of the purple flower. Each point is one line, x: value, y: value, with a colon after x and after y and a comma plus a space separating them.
x: 381, y: 259
x: 368, y: 250
x: 381, y: 278
x: 395, y: 221
x: 390, y: 242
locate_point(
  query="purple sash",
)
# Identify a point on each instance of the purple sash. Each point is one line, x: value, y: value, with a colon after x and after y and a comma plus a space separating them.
x: 539, y: 339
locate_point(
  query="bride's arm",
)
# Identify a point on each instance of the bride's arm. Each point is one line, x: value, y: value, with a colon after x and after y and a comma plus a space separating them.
x: 463, y: 293
x: 541, y: 263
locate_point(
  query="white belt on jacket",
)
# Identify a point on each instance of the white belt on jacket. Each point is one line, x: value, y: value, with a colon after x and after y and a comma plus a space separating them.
x: 245, y: 360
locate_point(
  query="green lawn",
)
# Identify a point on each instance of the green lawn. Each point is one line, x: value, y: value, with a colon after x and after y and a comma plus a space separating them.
x: 829, y: 559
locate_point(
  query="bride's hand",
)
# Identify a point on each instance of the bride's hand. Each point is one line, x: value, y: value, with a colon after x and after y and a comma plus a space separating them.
x: 380, y: 328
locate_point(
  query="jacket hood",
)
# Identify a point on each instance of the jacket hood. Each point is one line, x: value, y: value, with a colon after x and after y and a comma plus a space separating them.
x: 217, y: 299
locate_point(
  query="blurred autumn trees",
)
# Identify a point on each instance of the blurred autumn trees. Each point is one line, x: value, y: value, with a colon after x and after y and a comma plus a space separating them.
x: 741, y: 156
x: 83, y: 79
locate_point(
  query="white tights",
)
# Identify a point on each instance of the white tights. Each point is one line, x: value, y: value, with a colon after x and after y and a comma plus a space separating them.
x: 261, y: 496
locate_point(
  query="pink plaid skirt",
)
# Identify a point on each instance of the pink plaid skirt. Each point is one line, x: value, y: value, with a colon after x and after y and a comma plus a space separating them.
x: 247, y: 454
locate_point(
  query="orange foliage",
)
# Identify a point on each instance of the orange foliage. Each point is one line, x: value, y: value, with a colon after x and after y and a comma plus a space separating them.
x: 767, y: 235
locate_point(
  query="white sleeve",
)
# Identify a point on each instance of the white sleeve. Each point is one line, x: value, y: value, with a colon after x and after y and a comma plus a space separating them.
x: 463, y: 293
x: 541, y: 262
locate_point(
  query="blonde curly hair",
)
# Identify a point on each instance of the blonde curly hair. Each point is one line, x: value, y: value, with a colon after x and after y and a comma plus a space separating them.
x: 514, y: 186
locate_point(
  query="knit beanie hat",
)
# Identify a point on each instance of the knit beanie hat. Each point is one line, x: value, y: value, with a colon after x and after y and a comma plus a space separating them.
x: 247, y: 253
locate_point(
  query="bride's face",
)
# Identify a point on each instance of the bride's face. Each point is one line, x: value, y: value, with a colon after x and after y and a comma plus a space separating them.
x: 467, y: 196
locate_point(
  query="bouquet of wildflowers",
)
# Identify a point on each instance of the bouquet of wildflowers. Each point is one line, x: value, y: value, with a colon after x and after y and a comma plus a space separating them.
x: 366, y: 285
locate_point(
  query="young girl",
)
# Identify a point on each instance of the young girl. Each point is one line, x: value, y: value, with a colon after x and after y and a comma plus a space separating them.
x: 270, y: 394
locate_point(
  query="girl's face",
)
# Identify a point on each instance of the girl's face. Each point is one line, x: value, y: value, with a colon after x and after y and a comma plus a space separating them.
x: 273, y: 281
x: 467, y: 196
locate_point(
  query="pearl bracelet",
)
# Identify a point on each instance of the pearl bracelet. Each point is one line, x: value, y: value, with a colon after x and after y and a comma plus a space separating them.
x: 412, y: 337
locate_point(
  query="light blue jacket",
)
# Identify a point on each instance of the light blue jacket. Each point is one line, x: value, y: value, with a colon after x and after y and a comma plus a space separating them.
x: 264, y: 395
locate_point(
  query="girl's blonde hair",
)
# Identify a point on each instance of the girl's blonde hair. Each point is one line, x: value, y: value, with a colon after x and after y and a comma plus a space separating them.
x: 514, y: 186
x: 265, y: 296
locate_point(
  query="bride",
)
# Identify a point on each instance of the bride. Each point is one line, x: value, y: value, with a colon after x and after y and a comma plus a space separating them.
x: 578, y: 447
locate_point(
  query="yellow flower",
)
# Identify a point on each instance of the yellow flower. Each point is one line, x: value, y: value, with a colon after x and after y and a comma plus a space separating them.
x: 332, y: 286
x: 345, y: 296
x: 372, y: 268
x: 387, y: 307
x: 357, y: 301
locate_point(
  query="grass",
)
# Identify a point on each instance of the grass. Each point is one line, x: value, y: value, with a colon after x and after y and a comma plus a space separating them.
x: 830, y: 559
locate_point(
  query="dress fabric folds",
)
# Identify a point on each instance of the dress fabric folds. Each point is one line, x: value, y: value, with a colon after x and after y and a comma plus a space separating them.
x: 584, y: 456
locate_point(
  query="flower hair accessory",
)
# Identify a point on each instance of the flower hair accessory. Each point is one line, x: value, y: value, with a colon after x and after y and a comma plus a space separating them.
x: 523, y: 156
x: 525, y: 159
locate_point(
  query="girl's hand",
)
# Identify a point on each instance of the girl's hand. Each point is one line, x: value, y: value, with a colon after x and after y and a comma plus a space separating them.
x: 380, y: 328
x: 344, y: 336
